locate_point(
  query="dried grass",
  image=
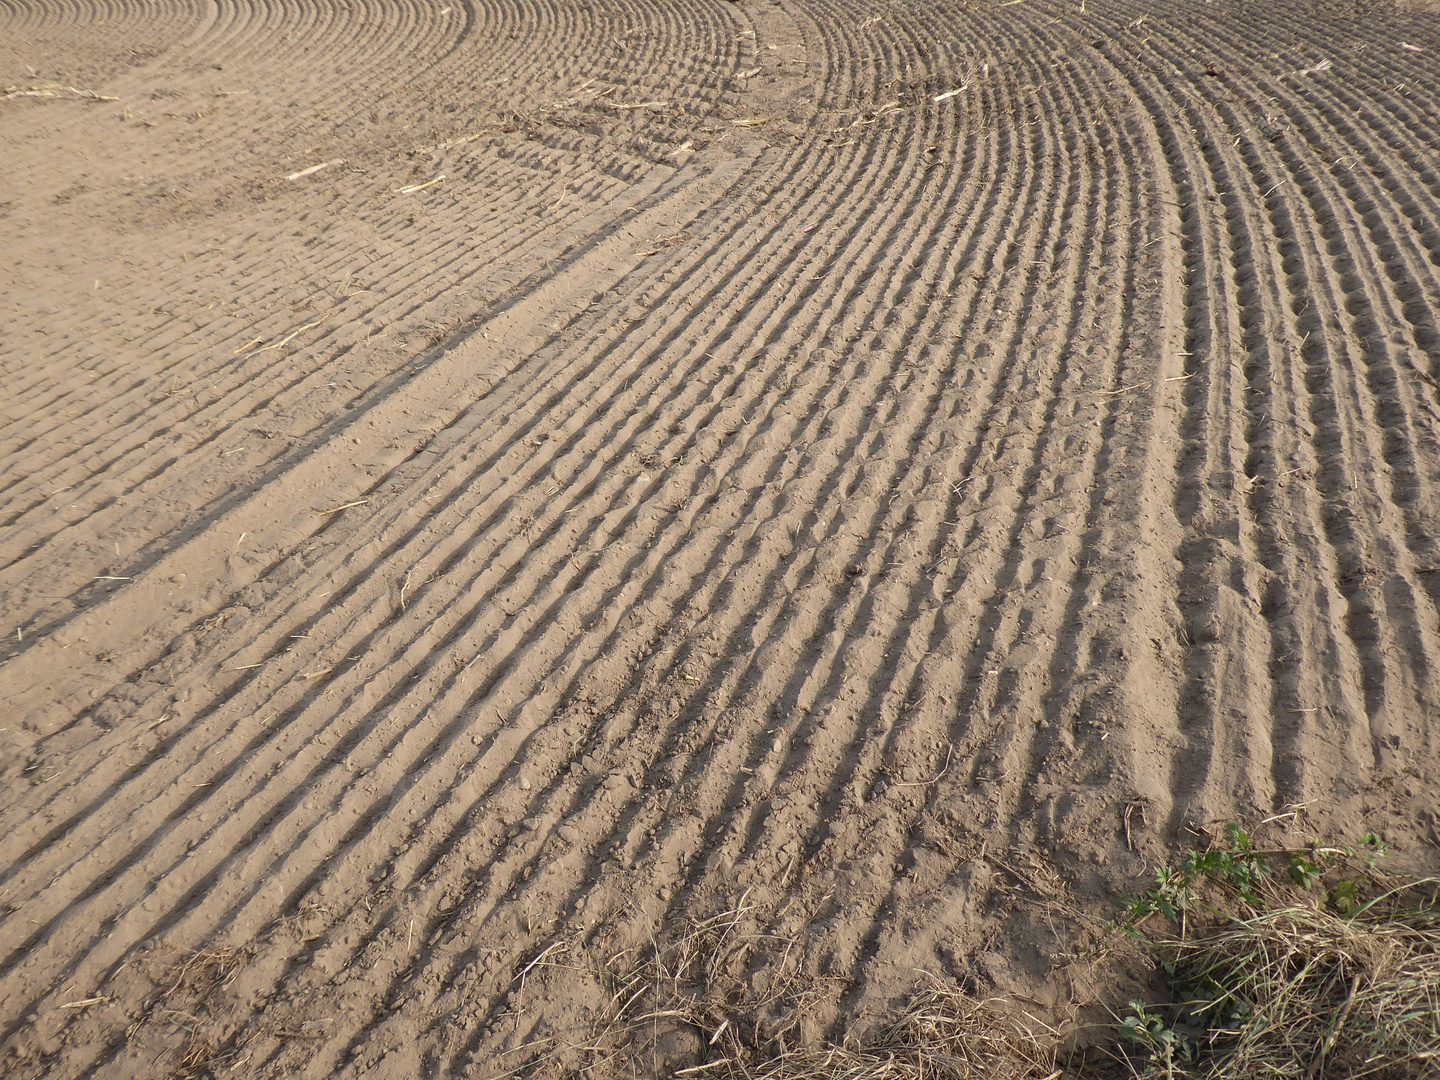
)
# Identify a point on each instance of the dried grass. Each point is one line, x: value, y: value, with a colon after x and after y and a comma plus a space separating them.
x: 696, y: 984
x: 52, y: 90
x: 944, y: 1035
x: 1298, y: 991
x: 1271, y: 985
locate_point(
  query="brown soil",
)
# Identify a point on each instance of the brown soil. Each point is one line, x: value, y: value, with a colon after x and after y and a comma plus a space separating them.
x: 865, y: 466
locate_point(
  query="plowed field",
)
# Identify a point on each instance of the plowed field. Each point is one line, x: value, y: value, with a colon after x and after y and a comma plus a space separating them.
x: 485, y: 484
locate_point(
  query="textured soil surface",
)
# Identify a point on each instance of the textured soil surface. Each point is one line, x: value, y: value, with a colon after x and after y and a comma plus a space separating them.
x: 487, y: 482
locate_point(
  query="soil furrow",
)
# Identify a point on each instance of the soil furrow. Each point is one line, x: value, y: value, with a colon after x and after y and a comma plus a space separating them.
x: 866, y: 470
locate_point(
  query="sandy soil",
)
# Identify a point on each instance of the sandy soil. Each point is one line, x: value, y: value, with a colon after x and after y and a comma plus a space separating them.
x: 859, y: 465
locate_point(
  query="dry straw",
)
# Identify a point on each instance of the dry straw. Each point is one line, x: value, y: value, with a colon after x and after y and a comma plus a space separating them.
x: 1301, y: 992
x: 694, y: 983
x: 944, y: 1035
x: 1271, y: 979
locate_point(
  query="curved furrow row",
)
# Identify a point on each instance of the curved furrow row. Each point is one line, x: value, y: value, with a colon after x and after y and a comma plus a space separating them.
x: 320, y: 53
x: 843, y: 443
x: 492, y: 469
x: 260, y: 243
x: 1371, y: 294
x: 513, y: 187
x: 1221, y: 544
x: 987, y: 731
x: 491, y: 466
x: 1311, y: 337
x: 1247, y: 341
x: 401, y: 280
x: 242, y: 340
x: 722, y: 707
x: 1384, y: 406
x: 1067, y: 408
x: 639, y: 48
x: 1408, y: 243
x: 331, y: 51
x: 240, y: 391
x: 125, y: 22
x: 143, y: 435
x: 768, y: 640
x: 641, y: 71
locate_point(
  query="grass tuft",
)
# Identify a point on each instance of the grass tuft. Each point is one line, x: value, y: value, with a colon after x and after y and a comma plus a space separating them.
x: 1298, y: 990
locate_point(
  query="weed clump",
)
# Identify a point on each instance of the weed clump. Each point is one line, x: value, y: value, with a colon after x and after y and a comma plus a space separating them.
x: 1297, y: 963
